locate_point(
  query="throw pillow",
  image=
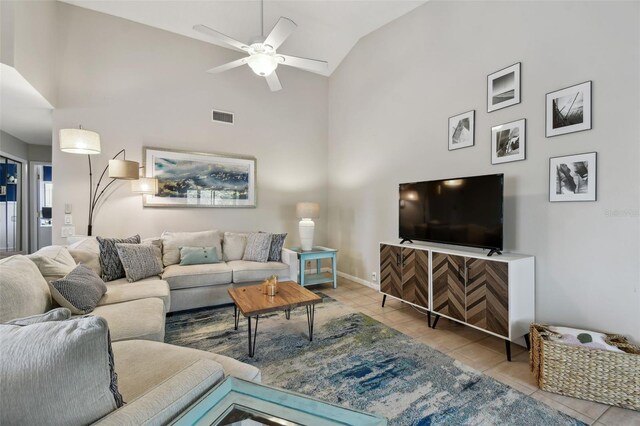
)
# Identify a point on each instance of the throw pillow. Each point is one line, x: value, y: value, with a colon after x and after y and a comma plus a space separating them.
x: 53, y: 262
x: 198, y: 255
x: 139, y: 260
x: 80, y: 291
x: 233, y: 245
x: 87, y: 252
x: 172, y: 241
x: 57, y: 314
x: 112, y: 268
x: 57, y: 373
x: 23, y: 291
x: 258, y: 245
x: 275, y: 251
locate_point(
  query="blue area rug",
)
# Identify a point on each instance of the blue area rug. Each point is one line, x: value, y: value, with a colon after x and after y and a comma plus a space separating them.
x: 358, y: 362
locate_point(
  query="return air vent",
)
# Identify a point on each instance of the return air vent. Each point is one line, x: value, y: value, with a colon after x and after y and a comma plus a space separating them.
x: 222, y: 116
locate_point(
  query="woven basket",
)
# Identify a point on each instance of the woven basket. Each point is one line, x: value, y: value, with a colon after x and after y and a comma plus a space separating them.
x: 593, y: 374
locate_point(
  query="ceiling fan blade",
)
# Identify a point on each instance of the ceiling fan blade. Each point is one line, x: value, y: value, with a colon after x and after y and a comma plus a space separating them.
x: 283, y: 29
x: 274, y: 82
x: 221, y: 37
x: 228, y: 66
x: 304, y: 63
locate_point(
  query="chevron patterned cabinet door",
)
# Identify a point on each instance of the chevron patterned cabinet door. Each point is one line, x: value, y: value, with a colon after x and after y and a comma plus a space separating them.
x: 488, y: 295
x: 390, y: 270
x: 448, y: 285
x: 415, y: 276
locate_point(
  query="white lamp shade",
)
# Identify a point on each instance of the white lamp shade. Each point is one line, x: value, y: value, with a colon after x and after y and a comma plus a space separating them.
x: 308, y: 210
x: 145, y: 185
x: 262, y: 63
x: 123, y: 169
x: 79, y: 141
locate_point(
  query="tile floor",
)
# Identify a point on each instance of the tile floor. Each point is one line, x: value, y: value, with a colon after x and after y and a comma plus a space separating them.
x: 475, y: 349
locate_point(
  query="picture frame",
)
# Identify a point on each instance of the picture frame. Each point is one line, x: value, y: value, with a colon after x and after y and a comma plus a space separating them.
x: 573, y: 177
x: 503, y: 88
x: 509, y: 142
x: 568, y: 110
x: 196, y: 179
x: 462, y: 130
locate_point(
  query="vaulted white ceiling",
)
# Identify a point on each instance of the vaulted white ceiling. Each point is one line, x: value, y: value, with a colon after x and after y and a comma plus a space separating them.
x: 327, y: 29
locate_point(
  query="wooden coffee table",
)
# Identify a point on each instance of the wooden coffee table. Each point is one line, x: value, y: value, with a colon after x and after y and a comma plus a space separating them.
x: 250, y: 302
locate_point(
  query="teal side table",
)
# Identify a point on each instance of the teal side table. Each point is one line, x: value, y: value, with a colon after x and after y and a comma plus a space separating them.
x: 235, y: 401
x: 317, y: 253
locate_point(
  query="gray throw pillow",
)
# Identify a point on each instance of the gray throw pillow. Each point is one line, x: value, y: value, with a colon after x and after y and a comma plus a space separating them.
x: 57, y: 373
x: 258, y: 245
x: 57, y: 314
x: 80, y: 291
x: 139, y: 260
x: 275, y: 251
x: 110, y: 263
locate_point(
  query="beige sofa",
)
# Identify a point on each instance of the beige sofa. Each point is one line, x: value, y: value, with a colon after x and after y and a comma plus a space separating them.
x: 157, y: 380
x: 196, y: 286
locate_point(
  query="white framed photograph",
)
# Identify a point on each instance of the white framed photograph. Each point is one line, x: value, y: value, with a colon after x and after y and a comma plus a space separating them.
x: 508, y: 142
x: 573, y: 177
x: 568, y: 110
x: 503, y: 88
x: 462, y: 130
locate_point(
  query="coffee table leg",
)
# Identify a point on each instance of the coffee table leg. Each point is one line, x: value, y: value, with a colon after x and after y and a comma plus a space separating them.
x: 287, y: 313
x: 311, y: 311
x: 236, y: 316
x: 252, y: 344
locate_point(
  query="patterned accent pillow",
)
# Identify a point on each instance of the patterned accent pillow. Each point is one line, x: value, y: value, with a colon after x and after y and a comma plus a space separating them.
x: 110, y: 263
x: 275, y: 251
x: 139, y: 260
x: 80, y: 291
x: 258, y: 245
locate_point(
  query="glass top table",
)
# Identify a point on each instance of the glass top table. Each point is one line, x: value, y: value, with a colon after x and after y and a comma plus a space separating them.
x: 241, y: 403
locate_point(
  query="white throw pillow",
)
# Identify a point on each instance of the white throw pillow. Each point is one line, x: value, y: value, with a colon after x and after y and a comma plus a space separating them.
x: 54, y: 262
x: 172, y: 241
x: 23, y: 290
x: 87, y: 252
x: 233, y: 246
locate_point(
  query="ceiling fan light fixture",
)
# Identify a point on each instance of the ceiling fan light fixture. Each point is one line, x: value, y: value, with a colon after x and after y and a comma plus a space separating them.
x: 262, y: 64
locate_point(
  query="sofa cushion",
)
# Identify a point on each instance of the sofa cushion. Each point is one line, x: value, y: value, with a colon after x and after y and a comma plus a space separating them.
x: 139, y: 260
x: 122, y: 291
x: 136, y: 319
x: 172, y: 241
x: 87, y: 252
x: 23, y: 290
x: 54, y: 262
x: 197, y: 275
x: 233, y: 245
x: 258, y: 245
x: 57, y: 314
x: 110, y: 263
x: 141, y: 365
x: 245, y: 271
x: 57, y: 373
x: 79, y: 291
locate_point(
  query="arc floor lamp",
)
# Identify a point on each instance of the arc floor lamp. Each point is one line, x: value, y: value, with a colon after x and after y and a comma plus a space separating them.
x: 82, y: 141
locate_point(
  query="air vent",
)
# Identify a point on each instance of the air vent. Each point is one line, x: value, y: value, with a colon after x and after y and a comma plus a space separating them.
x: 222, y: 116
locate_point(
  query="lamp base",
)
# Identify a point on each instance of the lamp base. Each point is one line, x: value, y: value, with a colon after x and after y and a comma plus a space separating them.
x: 306, y: 228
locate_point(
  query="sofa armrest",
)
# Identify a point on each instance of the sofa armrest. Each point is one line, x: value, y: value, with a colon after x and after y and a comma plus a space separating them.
x: 167, y: 400
x: 290, y: 257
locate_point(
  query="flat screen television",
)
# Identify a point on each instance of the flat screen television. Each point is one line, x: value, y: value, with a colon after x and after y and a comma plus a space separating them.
x: 462, y: 211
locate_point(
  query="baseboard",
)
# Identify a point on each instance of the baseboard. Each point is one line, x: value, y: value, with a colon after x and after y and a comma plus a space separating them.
x: 358, y: 280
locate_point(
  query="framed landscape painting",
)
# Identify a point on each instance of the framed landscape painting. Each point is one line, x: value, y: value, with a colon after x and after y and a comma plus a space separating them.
x: 569, y: 110
x: 461, y: 130
x: 503, y: 88
x: 508, y: 142
x: 188, y: 179
x: 573, y: 177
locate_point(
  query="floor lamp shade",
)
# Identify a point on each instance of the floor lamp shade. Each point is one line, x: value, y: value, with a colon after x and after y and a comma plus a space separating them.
x: 124, y: 169
x: 79, y: 141
x: 306, y: 212
x: 145, y: 185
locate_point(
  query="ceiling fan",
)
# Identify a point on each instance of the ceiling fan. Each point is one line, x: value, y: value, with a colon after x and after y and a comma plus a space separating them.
x: 263, y: 58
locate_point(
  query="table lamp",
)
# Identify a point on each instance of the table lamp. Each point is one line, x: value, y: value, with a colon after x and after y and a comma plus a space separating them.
x: 306, y: 212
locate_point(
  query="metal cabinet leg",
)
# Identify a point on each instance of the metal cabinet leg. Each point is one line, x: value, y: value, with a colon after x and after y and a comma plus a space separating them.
x: 384, y: 299
x: 429, y: 318
x: 507, y: 346
x: 435, y: 322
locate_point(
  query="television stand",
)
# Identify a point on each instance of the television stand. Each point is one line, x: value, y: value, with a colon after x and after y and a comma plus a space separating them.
x: 406, y: 240
x: 491, y: 252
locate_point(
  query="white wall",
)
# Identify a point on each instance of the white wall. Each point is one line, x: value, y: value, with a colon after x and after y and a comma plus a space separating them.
x: 139, y: 86
x: 389, y: 102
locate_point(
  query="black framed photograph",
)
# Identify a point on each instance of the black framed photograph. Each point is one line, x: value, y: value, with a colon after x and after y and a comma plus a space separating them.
x: 573, y: 177
x: 503, y: 88
x: 569, y: 110
x: 508, y: 142
x: 462, y: 130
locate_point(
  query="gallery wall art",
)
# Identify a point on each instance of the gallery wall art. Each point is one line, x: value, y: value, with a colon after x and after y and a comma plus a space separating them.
x: 573, y: 177
x: 188, y: 179
x: 508, y: 142
x: 462, y: 130
x: 503, y: 88
x: 568, y: 110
